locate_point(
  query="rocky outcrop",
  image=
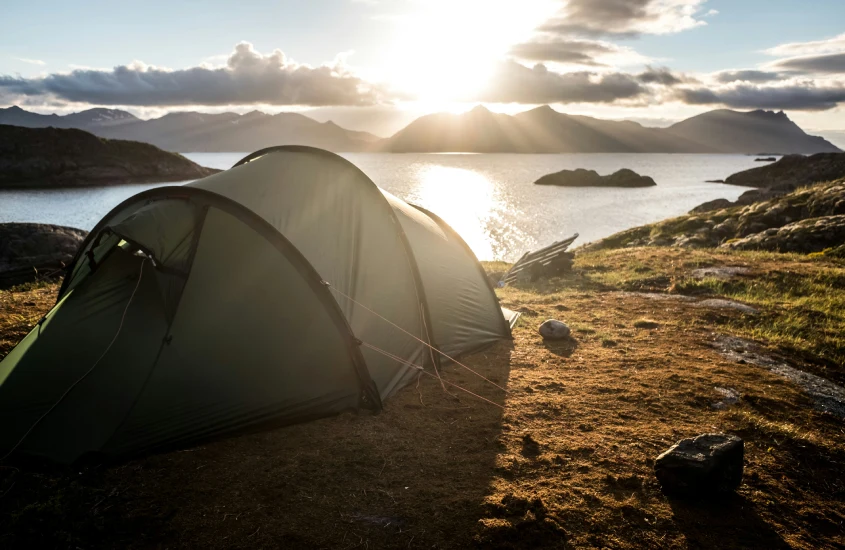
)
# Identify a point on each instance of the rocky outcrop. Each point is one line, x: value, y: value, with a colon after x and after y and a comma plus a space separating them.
x: 793, y: 171
x: 32, y: 250
x: 811, y: 219
x: 805, y: 236
x: 50, y: 157
x: 590, y: 178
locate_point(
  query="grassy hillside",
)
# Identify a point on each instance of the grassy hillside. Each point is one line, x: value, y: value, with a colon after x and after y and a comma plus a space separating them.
x: 565, y: 463
x: 784, y: 223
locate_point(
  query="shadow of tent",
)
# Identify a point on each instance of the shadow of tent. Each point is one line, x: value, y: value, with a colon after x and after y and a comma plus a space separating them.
x: 414, y: 474
x: 731, y: 522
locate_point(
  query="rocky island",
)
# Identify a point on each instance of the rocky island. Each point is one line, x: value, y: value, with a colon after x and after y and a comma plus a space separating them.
x: 51, y: 157
x: 590, y: 178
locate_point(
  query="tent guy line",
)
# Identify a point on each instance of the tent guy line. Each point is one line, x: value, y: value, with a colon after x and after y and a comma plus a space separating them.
x: 329, y: 285
x: 423, y: 371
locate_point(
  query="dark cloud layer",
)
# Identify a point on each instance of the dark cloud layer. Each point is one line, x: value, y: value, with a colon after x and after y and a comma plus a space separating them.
x: 747, y: 75
x: 516, y: 83
x: 745, y: 96
x: 248, y: 78
x: 661, y: 75
x: 581, y: 52
x: 833, y: 63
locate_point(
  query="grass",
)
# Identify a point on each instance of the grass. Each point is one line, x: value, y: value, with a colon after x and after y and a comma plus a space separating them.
x: 567, y: 462
x: 800, y: 297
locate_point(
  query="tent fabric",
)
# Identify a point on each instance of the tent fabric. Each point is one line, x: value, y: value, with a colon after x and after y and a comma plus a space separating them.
x: 242, y: 301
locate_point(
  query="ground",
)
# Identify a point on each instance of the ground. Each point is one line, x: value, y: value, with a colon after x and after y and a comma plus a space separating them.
x: 567, y: 460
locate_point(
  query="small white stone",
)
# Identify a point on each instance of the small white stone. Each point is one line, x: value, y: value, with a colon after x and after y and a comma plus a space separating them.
x: 553, y: 329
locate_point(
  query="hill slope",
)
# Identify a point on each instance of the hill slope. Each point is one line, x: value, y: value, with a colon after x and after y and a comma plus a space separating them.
x: 189, y: 132
x: 51, y: 157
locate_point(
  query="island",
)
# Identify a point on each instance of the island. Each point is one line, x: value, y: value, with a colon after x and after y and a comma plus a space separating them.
x: 53, y: 157
x: 590, y: 178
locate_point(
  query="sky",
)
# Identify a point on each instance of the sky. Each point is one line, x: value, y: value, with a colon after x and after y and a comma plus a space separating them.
x: 375, y: 65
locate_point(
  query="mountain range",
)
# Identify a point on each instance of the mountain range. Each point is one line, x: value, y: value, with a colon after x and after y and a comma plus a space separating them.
x: 540, y: 130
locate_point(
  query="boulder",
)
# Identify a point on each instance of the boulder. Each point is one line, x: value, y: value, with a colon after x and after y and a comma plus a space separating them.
x: 707, y: 465
x: 590, y: 178
x: 710, y: 206
x: 553, y: 329
x: 32, y: 250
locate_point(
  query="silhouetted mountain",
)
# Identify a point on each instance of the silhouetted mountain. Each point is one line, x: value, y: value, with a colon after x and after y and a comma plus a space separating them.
x: 752, y: 133
x: 189, y: 132
x: 544, y: 130
x: 540, y: 130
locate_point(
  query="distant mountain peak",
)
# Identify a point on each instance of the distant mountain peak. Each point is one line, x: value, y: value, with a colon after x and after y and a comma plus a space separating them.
x: 480, y: 109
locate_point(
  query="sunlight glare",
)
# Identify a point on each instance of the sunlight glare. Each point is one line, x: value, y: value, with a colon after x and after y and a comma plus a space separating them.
x: 447, y: 49
x: 465, y: 199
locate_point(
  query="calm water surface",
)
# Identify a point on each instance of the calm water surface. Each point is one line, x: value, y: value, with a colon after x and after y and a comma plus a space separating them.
x: 489, y: 199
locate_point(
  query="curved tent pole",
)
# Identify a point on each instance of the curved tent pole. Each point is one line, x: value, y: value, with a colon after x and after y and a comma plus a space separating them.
x: 409, y: 251
x: 266, y: 230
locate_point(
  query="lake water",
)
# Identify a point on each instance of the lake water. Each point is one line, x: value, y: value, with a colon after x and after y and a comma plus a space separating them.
x: 490, y: 199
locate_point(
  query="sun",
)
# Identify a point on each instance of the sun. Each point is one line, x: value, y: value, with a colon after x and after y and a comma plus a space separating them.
x: 447, y: 50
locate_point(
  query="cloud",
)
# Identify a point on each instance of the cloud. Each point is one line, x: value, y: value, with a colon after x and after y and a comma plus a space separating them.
x: 663, y: 76
x: 747, y: 75
x: 832, y: 63
x: 248, y: 77
x: 575, y: 51
x: 30, y: 61
x: 625, y: 17
x: 805, y: 96
x: 513, y: 82
x: 828, y: 45
x: 547, y: 47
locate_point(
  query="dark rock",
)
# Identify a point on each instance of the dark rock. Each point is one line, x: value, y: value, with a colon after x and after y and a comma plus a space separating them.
x: 707, y: 465
x: 32, y: 250
x: 553, y: 329
x: 590, y: 178
x: 51, y: 157
x: 709, y: 206
x: 765, y: 159
x: 714, y: 181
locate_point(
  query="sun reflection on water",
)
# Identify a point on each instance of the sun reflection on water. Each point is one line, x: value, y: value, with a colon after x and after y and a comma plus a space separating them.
x: 465, y: 199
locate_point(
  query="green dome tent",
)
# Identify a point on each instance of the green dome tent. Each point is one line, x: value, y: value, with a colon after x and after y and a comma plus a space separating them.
x: 287, y: 288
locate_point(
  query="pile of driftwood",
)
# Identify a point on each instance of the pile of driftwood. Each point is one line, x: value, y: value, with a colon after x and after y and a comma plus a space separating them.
x: 546, y: 262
